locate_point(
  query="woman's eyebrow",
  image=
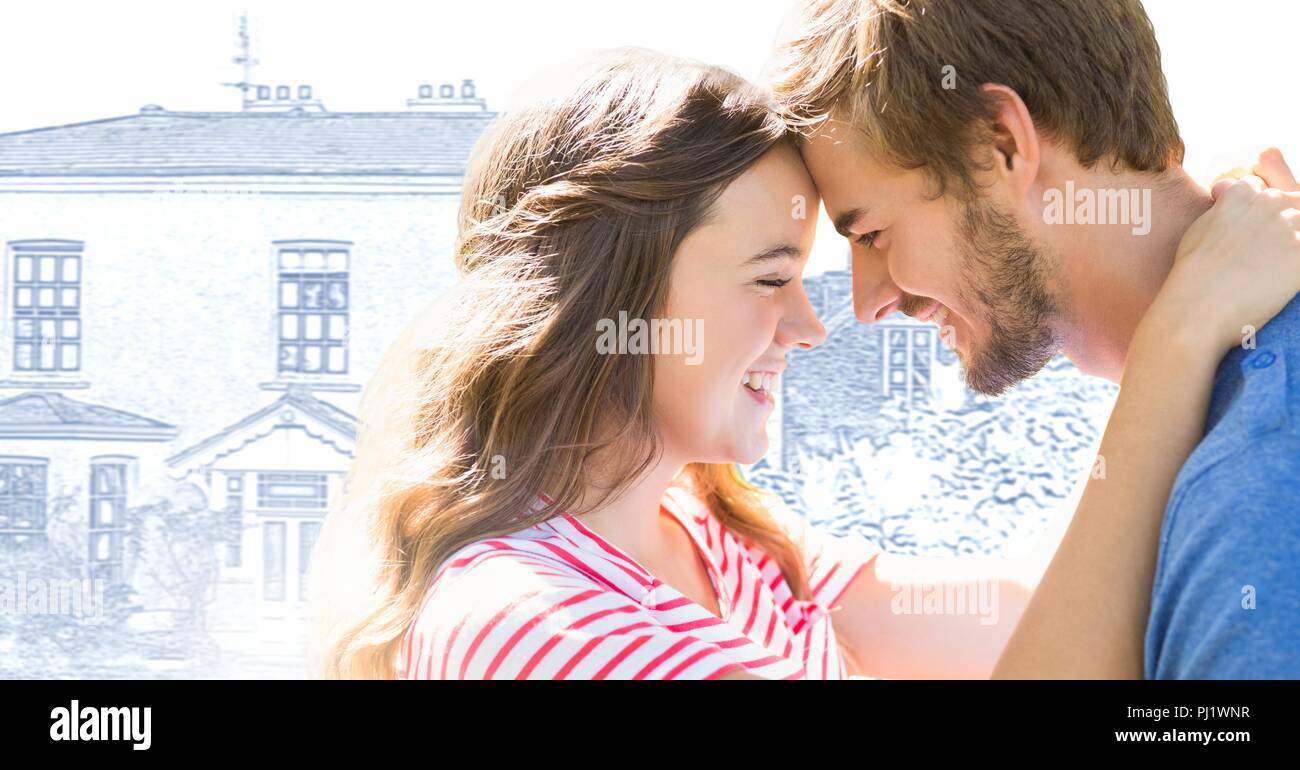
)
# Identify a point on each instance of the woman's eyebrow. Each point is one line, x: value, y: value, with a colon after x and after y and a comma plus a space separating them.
x: 784, y: 251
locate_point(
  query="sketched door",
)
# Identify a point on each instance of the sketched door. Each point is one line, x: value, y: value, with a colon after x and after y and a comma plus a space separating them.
x: 291, y: 509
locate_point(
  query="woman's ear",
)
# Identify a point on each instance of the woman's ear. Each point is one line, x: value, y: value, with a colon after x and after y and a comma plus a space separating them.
x: 1015, y: 139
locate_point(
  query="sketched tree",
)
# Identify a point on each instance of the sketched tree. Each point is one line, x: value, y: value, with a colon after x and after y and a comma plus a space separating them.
x: 49, y: 644
x: 171, y: 548
x: 174, y: 551
x: 961, y: 481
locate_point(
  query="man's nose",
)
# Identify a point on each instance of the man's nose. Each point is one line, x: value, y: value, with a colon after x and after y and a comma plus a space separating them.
x: 874, y: 293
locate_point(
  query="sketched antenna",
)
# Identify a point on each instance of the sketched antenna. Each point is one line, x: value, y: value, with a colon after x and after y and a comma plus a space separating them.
x: 245, y: 60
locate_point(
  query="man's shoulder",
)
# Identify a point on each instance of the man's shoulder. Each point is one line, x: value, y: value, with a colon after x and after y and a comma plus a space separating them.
x: 1261, y: 475
x: 1223, y: 603
x: 1245, y: 473
x: 1255, y: 403
x: 1231, y: 529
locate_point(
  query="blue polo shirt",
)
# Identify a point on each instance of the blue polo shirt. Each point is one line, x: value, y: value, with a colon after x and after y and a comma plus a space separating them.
x: 1225, y: 603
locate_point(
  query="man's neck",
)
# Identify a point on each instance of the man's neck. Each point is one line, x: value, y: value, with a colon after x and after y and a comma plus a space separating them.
x: 1110, y: 273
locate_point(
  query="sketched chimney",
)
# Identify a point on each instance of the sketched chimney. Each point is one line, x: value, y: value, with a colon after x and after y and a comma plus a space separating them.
x: 283, y: 100
x: 447, y: 100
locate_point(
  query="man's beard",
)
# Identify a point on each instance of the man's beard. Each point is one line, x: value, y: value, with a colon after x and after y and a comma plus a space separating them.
x: 1002, y: 271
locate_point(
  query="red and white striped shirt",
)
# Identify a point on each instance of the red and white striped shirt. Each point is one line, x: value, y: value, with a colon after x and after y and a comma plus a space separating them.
x: 558, y: 601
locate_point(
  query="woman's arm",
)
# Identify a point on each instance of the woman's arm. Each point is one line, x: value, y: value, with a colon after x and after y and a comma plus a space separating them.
x: 986, y: 597
x: 1088, y: 614
x: 912, y: 617
x: 741, y: 674
x: 918, y: 617
x: 896, y: 639
x: 1237, y: 266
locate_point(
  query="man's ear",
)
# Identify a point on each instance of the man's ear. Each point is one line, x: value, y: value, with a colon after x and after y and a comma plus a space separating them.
x: 1015, y: 140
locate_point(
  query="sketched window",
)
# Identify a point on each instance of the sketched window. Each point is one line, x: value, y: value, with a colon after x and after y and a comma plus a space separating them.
x: 922, y: 355
x: 909, y: 357
x: 22, y: 499
x: 313, y: 308
x: 273, y: 551
x: 235, y: 509
x: 307, y: 534
x: 107, y: 519
x: 46, y: 306
x: 291, y: 490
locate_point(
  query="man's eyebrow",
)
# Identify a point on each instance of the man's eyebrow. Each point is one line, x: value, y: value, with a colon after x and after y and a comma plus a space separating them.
x: 783, y: 251
x: 846, y: 220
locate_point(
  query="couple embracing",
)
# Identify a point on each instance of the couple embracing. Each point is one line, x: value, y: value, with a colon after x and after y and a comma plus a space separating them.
x: 526, y: 502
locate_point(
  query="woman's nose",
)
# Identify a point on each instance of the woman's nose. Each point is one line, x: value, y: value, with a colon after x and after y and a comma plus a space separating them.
x: 802, y: 328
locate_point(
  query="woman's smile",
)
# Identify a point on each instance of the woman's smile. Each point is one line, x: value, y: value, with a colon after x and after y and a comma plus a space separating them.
x: 761, y: 386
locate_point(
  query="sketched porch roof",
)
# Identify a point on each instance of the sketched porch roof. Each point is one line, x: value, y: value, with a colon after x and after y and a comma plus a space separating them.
x: 298, y: 411
x: 36, y: 415
x: 156, y: 142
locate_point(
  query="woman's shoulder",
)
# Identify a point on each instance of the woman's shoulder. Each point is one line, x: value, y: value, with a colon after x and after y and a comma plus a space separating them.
x: 494, y: 584
x: 508, y: 560
x: 500, y: 610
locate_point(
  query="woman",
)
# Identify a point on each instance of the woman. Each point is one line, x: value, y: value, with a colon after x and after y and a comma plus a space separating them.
x: 530, y: 499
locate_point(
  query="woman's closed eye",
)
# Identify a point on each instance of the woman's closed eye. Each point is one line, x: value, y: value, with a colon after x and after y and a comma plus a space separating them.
x: 775, y: 283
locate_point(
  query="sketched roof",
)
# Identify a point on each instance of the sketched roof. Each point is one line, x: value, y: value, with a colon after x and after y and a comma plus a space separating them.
x: 339, y: 420
x: 55, y: 416
x: 160, y: 143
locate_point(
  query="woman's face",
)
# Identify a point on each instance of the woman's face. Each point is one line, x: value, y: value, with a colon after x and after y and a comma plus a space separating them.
x: 737, y: 285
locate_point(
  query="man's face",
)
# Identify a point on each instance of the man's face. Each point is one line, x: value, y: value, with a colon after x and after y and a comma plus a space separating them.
x: 970, y: 268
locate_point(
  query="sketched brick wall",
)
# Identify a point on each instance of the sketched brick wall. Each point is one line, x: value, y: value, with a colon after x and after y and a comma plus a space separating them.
x: 175, y: 219
x: 178, y: 306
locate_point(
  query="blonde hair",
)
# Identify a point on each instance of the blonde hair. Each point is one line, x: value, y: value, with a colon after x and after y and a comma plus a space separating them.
x: 572, y: 210
x: 907, y: 75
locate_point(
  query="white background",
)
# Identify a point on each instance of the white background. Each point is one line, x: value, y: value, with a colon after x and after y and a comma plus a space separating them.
x: 1232, y: 67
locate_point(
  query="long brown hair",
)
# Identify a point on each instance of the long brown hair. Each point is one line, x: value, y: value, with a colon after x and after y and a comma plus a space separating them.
x: 572, y: 210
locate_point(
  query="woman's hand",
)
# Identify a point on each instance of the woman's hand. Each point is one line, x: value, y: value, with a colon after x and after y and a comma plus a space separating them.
x: 1236, y: 267
x: 1270, y: 167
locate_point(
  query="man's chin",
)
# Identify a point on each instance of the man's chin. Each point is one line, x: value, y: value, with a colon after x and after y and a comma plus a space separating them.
x: 992, y: 372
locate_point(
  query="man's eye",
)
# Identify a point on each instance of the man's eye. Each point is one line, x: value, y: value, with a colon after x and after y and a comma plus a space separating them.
x: 868, y: 239
x: 773, y: 282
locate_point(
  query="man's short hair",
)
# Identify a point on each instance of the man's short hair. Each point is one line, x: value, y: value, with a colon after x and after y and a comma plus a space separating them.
x: 907, y: 74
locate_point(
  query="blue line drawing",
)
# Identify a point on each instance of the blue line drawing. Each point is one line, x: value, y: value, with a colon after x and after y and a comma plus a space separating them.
x: 878, y: 435
x: 197, y: 280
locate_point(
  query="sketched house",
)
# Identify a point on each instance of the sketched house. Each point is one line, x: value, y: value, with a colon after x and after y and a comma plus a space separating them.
x: 839, y: 386
x: 199, y: 297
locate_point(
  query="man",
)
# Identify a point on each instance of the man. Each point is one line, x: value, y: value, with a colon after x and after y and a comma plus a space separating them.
x: 1010, y: 170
